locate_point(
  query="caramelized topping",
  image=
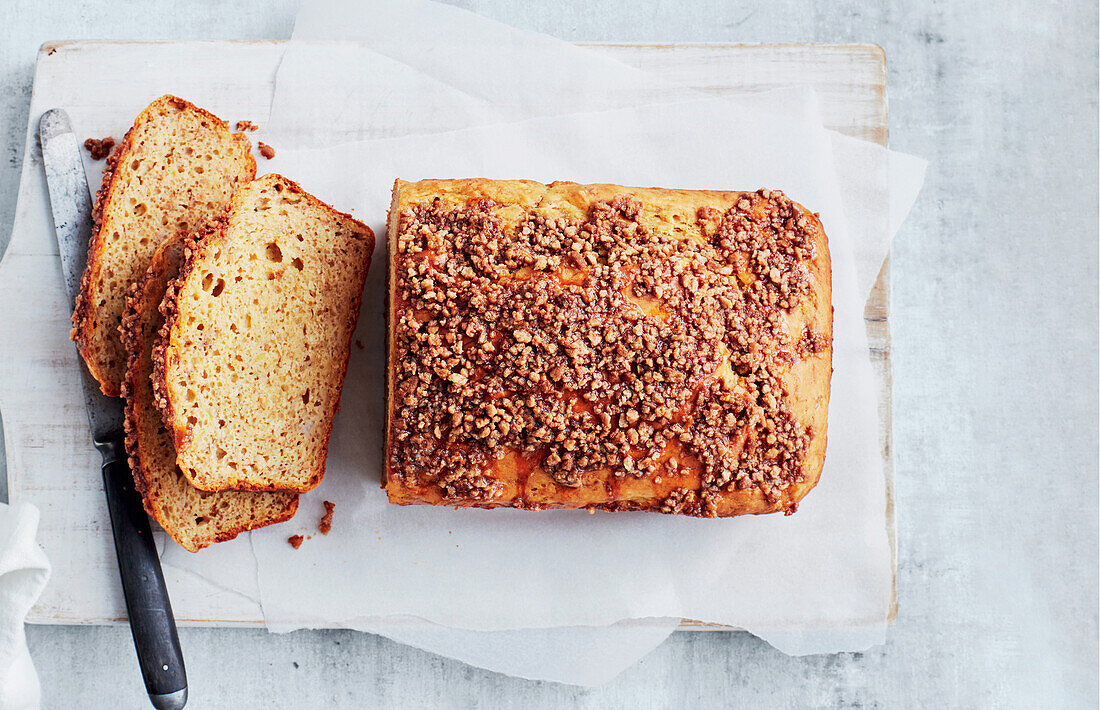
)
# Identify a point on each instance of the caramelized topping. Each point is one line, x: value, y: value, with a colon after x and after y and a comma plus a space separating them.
x: 599, y: 345
x: 99, y: 149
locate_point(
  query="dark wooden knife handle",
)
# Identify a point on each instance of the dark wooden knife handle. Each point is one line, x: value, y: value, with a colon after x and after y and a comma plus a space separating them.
x: 147, y: 604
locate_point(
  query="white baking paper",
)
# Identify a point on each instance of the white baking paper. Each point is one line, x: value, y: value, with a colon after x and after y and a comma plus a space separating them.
x: 828, y: 566
x: 581, y: 655
x: 390, y: 68
x: 358, y: 70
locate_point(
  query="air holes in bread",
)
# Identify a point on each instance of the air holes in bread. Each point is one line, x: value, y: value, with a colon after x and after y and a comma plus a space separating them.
x: 274, y: 253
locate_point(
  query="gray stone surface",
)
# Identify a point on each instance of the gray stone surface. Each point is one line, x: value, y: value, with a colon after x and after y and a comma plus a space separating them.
x: 996, y: 381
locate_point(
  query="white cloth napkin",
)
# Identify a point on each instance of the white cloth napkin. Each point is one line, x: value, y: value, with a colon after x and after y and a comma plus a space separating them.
x: 24, y: 571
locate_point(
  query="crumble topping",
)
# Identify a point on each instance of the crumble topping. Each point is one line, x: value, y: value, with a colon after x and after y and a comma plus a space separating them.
x: 326, y: 520
x: 99, y: 149
x: 598, y: 344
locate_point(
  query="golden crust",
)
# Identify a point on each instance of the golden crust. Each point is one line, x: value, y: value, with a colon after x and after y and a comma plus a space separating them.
x: 82, y: 317
x: 110, y: 193
x: 800, y: 353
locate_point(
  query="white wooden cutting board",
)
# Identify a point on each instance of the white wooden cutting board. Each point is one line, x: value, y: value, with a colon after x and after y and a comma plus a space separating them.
x: 235, y: 79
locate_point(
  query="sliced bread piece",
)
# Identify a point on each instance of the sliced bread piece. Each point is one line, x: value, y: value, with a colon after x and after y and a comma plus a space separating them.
x: 175, y: 171
x: 251, y: 359
x: 192, y: 517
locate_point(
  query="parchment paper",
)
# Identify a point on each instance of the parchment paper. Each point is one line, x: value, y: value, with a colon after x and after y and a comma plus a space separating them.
x: 828, y: 567
x: 357, y: 71
x: 493, y: 570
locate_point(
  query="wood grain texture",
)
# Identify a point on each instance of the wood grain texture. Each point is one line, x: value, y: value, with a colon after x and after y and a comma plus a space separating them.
x: 101, y: 83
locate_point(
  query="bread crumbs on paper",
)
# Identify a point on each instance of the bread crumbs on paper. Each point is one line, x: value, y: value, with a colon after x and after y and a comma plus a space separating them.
x: 266, y: 150
x: 99, y: 149
x: 326, y: 521
x: 295, y: 541
x: 246, y: 126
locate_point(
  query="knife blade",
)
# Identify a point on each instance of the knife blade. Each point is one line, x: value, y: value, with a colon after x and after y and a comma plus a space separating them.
x: 151, y: 621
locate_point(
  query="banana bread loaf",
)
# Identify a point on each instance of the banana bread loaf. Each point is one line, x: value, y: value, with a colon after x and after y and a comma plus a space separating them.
x: 605, y: 347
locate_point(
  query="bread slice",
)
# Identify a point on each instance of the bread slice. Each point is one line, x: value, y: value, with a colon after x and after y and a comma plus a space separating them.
x: 251, y: 359
x: 192, y: 517
x: 174, y: 171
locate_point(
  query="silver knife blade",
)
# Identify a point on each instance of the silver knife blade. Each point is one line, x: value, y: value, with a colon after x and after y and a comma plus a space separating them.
x: 71, y: 204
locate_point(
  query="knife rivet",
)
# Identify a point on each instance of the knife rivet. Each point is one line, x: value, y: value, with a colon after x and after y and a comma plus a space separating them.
x: 164, y: 667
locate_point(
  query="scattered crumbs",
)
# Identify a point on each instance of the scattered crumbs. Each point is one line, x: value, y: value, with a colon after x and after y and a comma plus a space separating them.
x: 359, y: 344
x: 295, y: 541
x: 51, y: 52
x: 246, y: 126
x: 326, y: 519
x: 266, y: 150
x: 295, y: 663
x: 99, y: 149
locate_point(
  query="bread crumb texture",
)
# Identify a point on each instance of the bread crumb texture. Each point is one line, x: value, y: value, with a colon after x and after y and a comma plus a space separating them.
x: 192, y: 518
x: 603, y: 347
x: 175, y: 170
x: 252, y: 356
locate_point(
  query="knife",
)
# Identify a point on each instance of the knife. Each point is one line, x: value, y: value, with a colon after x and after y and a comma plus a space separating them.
x: 147, y: 604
